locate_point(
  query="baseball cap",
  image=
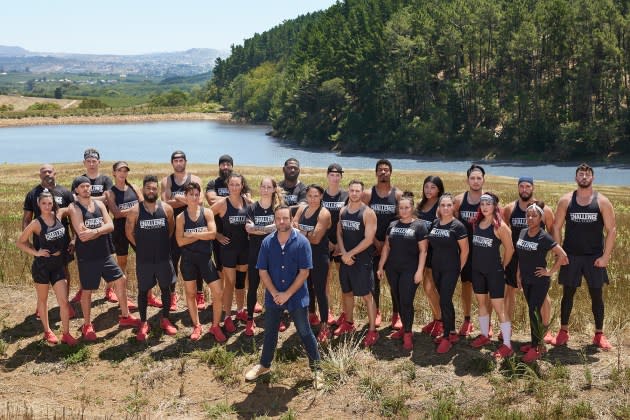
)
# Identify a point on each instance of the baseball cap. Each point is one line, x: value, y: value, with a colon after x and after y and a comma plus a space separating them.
x: 226, y: 158
x: 334, y: 167
x: 121, y: 164
x: 178, y: 154
x: 80, y: 180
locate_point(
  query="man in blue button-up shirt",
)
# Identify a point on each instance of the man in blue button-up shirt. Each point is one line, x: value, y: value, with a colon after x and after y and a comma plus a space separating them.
x: 284, y: 262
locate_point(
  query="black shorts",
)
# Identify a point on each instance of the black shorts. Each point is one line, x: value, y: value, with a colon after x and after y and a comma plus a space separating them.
x: 196, y: 266
x: 91, y: 271
x: 510, y: 272
x: 234, y: 254
x: 148, y: 274
x: 357, y: 278
x: 48, y: 270
x: 466, y: 275
x: 571, y: 274
x: 216, y: 252
x: 121, y: 243
x: 492, y: 283
x: 176, y: 254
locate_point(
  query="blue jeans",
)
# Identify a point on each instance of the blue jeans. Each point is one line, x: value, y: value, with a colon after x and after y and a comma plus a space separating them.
x: 300, y: 319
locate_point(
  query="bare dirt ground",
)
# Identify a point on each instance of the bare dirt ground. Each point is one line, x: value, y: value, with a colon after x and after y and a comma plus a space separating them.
x: 176, y: 378
x: 21, y: 103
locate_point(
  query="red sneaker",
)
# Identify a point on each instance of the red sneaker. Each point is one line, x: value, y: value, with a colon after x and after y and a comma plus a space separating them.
x: 344, y: 329
x: 313, y: 319
x: 502, y: 352
x: 561, y: 338
x: 324, y: 334
x: 525, y: 348
x: 258, y: 308
x: 532, y: 355
x: 131, y: 306
x: 153, y: 301
x: 196, y: 333
x: 341, y: 319
x: 241, y: 315
x: 216, y: 331
x: 396, y: 322
x: 143, y: 331
x: 480, y: 341
x: 378, y: 320
x: 331, y: 319
x: 429, y: 327
x: 68, y: 339
x: 128, y: 321
x: 397, y: 335
x: 466, y: 328
x: 282, y: 327
x: 453, y: 338
x: 173, y: 307
x: 228, y: 324
x: 601, y: 341
x: 201, y: 301
x: 167, y: 326
x: 77, y: 296
x: 50, y: 337
x: 87, y: 332
x: 438, y: 329
x: 250, y: 328
x: 444, y: 346
x: 371, y: 338
x: 110, y: 295
x: 408, y: 341
x: 548, y: 338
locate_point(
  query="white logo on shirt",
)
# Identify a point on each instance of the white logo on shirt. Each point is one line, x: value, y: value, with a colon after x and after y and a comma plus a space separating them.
x: 350, y: 225
x: 152, y: 223
x: 482, y: 241
x: 583, y: 217
x: 526, y: 245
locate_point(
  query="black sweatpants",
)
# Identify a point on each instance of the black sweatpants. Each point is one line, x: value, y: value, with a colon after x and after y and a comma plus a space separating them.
x: 403, y: 293
x: 597, y: 305
x: 535, y: 293
x: 316, y: 283
x: 445, y: 283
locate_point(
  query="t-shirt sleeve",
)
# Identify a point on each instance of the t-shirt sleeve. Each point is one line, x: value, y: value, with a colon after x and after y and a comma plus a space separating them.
x: 210, y: 185
x: 301, y: 195
x: 28, y: 202
x: 421, y: 231
x: 107, y: 183
x: 390, y: 227
x: 460, y: 230
x: 547, y: 241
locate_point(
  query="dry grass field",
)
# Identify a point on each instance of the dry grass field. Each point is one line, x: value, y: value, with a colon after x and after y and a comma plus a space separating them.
x: 172, y: 377
x: 21, y: 103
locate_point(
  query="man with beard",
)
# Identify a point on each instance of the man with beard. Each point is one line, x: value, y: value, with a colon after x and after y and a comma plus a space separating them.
x: 514, y: 215
x: 587, y: 214
x: 63, y: 197
x: 294, y: 189
x: 383, y: 200
x: 149, y: 226
x: 172, y: 187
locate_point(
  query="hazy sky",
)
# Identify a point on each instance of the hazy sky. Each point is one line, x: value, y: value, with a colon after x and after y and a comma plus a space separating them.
x: 140, y: 26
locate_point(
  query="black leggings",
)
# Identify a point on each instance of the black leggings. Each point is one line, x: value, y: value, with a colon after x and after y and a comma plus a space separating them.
x: 316, y: 283
x: 445, y: 283
x: 252, y: 292
x: 535, y: 294
x: 143, y: 302
x: 597, y: 305
x: 376, y: 293
x: 403, y: 293
x: 240, y: 280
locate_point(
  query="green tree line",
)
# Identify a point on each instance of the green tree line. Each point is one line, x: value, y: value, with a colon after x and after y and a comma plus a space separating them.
x: 442, y: 77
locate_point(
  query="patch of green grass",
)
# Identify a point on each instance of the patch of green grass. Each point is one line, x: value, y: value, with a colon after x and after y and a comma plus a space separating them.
x: 220, y: 410
x: 394, y: 405
x: 339, y: 361
x: 76, y: 355
x: 224, y: 362
x: 136, y: 402
x: 446, y: 407
x: 4, y: 346
x: 371, y: 387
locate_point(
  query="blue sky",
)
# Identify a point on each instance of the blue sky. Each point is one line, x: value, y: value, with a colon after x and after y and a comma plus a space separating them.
x: 141, y: 26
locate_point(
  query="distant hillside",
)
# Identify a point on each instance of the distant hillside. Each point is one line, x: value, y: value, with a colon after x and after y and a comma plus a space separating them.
x: 164, y: 64
x: 21, y: 103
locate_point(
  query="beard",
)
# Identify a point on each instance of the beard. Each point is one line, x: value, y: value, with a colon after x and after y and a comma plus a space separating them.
x: 150, y: 198
x: 225, y: 173
x: 290, y: 177
x: 585, y: 183
x: 526, y: 197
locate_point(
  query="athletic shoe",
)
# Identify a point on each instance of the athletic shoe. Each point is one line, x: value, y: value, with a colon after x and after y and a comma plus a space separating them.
x: 397, y: 335
x: 438, y: 329
x: 173, y: 307
x: 68, y: 339
x: 318, y: 383
x: 196, y: 333
x: 324, y: 334
x: 331, y: 319
x: 241, y: 315
x: 601, y: 341
x: 466, y: 328
x: 313, y: 319
x: 131, y: 306
x: 110, y: 295
x: 344, y: 328
x: 502, y: 352
x: 256, y: 372
x: 480, y: 341
x: 87, y: 332
x: 143, y: 331
x: 258, y: 308
x: 371, y: 338
x: 444, y: 346
x: 378, y: 320
x: 341, y: 319
x: 167, y: 326
x: 561, y: 338
x: 201, y: 301
x: 77, y: 296
x: 525, y: 348
x: 548, y: 338
x: 282, y: 327
x: 429, y: 327
x: 50, y: 337
x: 71, y: 312
x: 250, y: 328
x: 532, y: 355
x: 216, y: 331
x: 228, y: 324
x: 408, y: 341
x: 453, y: 338
x: 153, y: 301
x: 128, y: 321
x: 396, y: 322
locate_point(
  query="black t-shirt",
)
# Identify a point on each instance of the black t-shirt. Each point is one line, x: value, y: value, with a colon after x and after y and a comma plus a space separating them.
x: 403, y: 243
x: 100, y: 184
x: 532, y: 253
x: 443, y: 240
x: 295, y: 194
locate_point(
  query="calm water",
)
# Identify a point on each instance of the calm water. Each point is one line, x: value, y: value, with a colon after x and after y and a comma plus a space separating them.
x: 205, y: 141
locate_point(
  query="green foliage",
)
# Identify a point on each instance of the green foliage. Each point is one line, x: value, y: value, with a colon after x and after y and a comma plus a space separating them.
x: 174, y: 97
x: 43, y: 106
x: 219, y: 411
x: 76, y: 355
x: 92, y: 103
x: 6, y: 107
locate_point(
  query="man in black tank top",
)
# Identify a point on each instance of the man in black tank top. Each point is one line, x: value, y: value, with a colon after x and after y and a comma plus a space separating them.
x: 383, y: 200
x: 587, y: 214
x: 92, y: 223
x: 172, y: 187
x: 149, y: 226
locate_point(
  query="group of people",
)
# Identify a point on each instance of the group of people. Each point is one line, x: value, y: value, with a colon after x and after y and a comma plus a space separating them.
x: 294, y: 236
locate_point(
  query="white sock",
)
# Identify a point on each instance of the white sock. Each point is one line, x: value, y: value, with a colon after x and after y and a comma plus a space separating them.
x: 484, y: 324
x: 506, y: 329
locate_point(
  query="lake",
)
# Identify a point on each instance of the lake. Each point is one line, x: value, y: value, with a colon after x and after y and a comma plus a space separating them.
x: 205, y: 141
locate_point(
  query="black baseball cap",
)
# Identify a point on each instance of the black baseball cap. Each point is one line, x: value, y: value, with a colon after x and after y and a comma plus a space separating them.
x: 334, y: 167
x: 178, y: 154
x: 226, y: 158
x: 80, y: 180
